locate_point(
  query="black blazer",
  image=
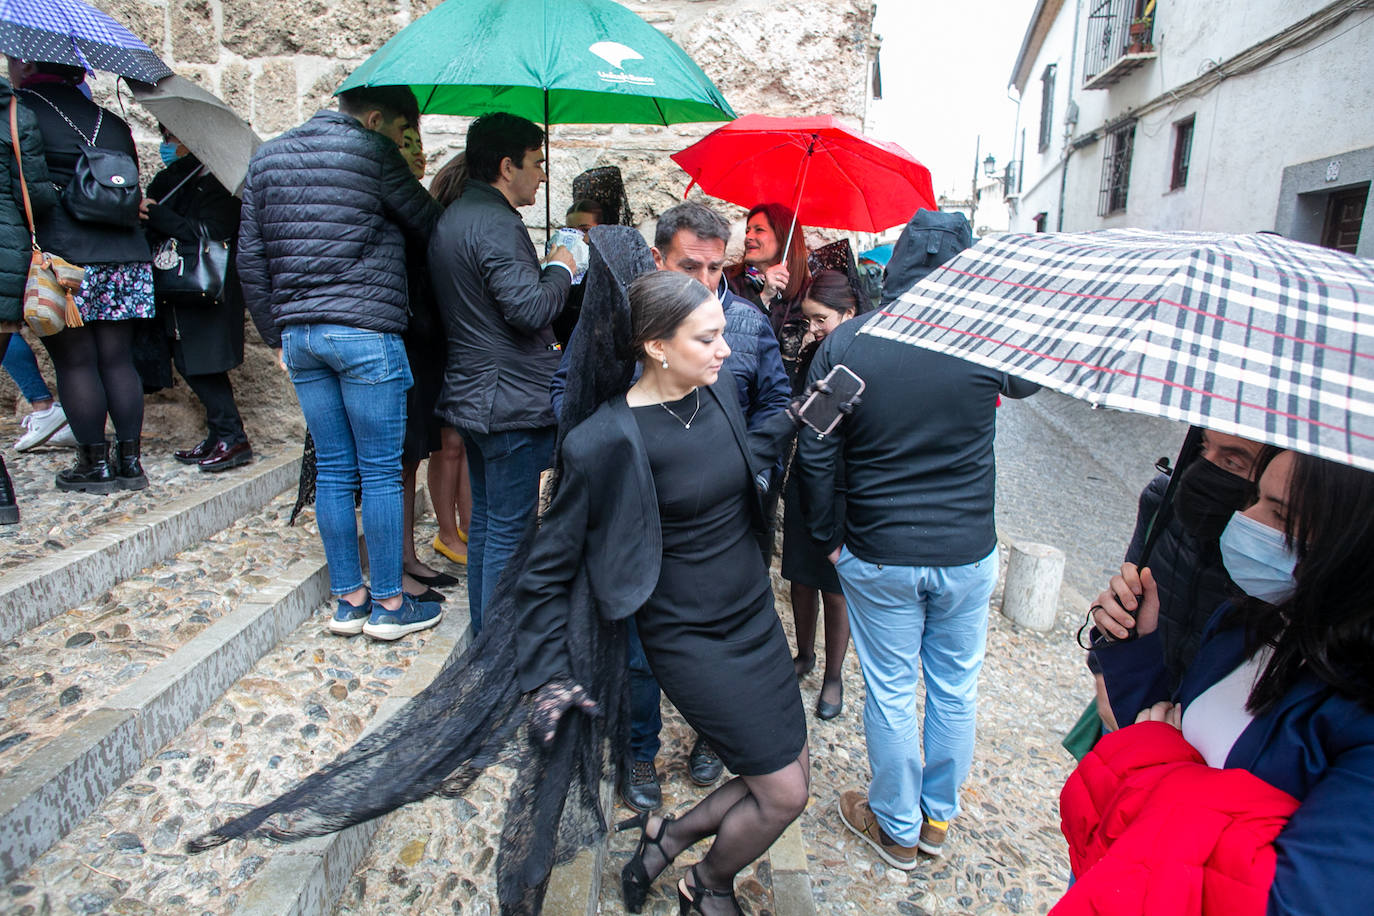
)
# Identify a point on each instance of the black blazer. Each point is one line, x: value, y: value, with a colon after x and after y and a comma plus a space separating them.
x: 603, y: 524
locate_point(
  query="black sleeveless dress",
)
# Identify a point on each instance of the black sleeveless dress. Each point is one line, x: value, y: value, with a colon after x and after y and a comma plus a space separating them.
x: 709, y: 629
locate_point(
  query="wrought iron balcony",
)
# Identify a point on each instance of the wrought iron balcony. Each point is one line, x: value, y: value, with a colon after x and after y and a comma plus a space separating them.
x: 1119, y: 40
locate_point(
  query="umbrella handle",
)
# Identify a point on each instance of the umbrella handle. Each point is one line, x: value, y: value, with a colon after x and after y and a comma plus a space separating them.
x: 801, y: 185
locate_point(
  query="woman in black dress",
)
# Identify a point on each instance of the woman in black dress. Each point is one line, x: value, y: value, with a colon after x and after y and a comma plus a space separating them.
x: 829, y: 302
x: 656, y: 506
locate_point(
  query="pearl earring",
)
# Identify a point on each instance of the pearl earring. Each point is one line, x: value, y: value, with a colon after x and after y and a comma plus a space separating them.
x: 665, y: 362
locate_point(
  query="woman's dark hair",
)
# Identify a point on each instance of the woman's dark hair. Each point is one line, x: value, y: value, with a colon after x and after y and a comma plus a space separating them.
x: 660, y: 302
x: 587, y: 205
x: 831, y: 289
x: 67, y: 72
x: 498, y: 136
x: 780, y: 221
x: 447, y: 185
x: 1327, y: 626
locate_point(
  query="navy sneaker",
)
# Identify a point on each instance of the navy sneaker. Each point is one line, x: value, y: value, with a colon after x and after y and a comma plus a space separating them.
x: 412, y: 615
x: 348, y: 620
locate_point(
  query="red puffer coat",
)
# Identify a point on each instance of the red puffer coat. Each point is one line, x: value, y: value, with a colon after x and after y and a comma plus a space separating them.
x: 1153, y: 830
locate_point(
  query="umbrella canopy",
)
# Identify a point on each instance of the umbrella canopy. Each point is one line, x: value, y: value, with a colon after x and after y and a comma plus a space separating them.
x: 209, y: 128
x: 551, y: 61
x: 836, y: 177
x: 71, y: 32
x: 879, y: 254
x: 1252, y: 335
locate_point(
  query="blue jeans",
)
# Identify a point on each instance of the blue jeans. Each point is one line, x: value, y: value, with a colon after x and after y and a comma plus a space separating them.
x: 908, y: 621
x: 646, y: 719
x: 504, y: 470
x: 351, y: 384
x: 23, y: 368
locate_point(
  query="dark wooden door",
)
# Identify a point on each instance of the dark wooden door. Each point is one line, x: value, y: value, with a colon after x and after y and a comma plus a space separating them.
x: 1344, y: 215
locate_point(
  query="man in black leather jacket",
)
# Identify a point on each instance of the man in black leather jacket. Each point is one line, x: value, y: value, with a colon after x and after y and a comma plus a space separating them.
x: 498, y: 305
x: 327, y: 209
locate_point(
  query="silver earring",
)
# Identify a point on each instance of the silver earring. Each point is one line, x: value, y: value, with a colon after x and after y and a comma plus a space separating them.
x: 665, y: 363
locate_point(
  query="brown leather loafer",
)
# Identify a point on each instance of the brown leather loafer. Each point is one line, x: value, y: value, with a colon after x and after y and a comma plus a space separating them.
x: 225, y: 456
x: 197, y: 454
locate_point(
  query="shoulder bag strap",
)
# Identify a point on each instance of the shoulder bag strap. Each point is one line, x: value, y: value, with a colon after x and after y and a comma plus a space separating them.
x: 19, y: 162
x: 99, y: 117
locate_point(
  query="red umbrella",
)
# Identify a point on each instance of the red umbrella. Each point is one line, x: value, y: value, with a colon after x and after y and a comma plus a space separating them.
x: 835, y: 176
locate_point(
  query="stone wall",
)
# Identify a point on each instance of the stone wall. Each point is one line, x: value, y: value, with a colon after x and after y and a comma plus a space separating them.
x: 278, y: 61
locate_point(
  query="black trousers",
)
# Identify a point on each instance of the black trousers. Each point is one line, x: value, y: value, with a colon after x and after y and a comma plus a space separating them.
x: 221, y: 413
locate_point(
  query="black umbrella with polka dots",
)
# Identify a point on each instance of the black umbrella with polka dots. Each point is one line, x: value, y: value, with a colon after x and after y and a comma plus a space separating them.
x: 71, y: 32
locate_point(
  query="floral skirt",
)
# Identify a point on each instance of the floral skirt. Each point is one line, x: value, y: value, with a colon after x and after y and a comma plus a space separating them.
x: 116, y: 292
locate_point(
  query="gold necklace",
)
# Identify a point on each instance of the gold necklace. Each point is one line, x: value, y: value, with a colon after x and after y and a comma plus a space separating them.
x: 687, y: 423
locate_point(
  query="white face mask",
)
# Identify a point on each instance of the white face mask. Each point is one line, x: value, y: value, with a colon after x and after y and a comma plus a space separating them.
x: 1258, y: 559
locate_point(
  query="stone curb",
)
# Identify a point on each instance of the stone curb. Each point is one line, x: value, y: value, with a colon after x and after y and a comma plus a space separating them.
x: 49, y: 794
x: 791, y: 874
x: 309, y: 877
x: 53, y: 585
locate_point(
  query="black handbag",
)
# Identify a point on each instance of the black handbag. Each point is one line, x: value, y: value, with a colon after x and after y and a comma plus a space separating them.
x: 190, y: 273
x: 104, y: 188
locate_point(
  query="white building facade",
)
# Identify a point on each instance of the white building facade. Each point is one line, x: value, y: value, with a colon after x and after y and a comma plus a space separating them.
x: 1222, y: 115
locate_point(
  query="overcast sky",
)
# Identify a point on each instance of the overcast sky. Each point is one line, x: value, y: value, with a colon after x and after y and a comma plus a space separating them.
x: 945, y: 70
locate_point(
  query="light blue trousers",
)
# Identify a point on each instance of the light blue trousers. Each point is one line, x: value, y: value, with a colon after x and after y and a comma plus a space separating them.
x: 910, y: 621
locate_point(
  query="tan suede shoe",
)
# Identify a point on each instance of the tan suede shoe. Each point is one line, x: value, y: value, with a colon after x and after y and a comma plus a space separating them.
x: 859, y: 818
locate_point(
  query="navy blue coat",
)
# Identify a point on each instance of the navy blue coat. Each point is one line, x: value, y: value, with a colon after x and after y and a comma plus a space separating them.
x: 327, y: 208
x: 1316, y: 745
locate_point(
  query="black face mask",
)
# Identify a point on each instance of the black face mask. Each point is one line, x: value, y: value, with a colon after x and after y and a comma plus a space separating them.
x: 1207, y: 496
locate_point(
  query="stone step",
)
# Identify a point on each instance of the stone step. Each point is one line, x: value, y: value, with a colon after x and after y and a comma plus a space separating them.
x: 72, y: 547
x: 61, y: 670
x: 77, y: 765
x: 303, y: 702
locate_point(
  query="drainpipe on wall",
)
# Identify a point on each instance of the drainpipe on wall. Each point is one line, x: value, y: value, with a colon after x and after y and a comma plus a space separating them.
x: 1070, y: 109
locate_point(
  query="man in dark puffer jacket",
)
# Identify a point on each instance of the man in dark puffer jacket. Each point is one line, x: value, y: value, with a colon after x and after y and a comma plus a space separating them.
x: 327, y: 209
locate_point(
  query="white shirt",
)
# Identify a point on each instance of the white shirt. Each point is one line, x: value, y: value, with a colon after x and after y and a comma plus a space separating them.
x: 1213, y: 722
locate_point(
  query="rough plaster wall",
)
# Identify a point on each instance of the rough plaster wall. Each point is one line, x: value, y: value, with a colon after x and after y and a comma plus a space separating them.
x: 278, y: 61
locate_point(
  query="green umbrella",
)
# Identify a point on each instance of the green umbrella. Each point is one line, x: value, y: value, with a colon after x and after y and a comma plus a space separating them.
x: 552, y: 61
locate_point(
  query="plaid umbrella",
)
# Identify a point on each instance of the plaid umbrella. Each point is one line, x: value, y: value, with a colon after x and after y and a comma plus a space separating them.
x: 71, y: 32
x: 1252, y: 335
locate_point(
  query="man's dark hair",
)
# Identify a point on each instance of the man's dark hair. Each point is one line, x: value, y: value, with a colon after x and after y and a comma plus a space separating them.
x: 392, y: 101
x: 701, y: 221
x: 660, y: 302
x: 498, y: 136
x: 587, y: 205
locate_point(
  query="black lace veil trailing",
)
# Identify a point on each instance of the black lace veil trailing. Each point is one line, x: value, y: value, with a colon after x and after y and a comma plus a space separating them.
x: 472, y: 715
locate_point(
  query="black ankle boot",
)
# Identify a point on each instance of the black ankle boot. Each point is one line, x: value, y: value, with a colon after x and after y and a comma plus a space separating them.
x: 9, y: 506
x: 91, y: 473
x: 128, y: 469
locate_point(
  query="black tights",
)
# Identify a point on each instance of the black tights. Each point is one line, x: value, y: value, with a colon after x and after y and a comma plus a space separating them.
x: 745, y: 815
x: 96, y: 377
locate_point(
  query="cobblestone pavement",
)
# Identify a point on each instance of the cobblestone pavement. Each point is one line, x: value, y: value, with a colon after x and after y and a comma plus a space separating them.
x: 58, y: 671
x: 51, y: 520
x: 298, y: 708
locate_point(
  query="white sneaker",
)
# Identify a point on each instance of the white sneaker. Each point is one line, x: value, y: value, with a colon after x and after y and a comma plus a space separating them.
x: 64, y: 437
x: 40, y: 426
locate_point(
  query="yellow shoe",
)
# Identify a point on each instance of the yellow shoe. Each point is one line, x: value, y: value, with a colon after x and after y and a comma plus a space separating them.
x: 443, y: 550
x: 462, y: 535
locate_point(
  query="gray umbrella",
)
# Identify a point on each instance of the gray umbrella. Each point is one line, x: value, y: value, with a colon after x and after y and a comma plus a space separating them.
x: 209, y: 128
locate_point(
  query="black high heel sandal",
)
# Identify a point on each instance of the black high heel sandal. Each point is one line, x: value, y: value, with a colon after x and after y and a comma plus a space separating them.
x: 634, y: 878
x: 689, y: 898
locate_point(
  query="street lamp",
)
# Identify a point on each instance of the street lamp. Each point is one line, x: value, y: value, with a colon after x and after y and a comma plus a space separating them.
x: 990, y: 166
